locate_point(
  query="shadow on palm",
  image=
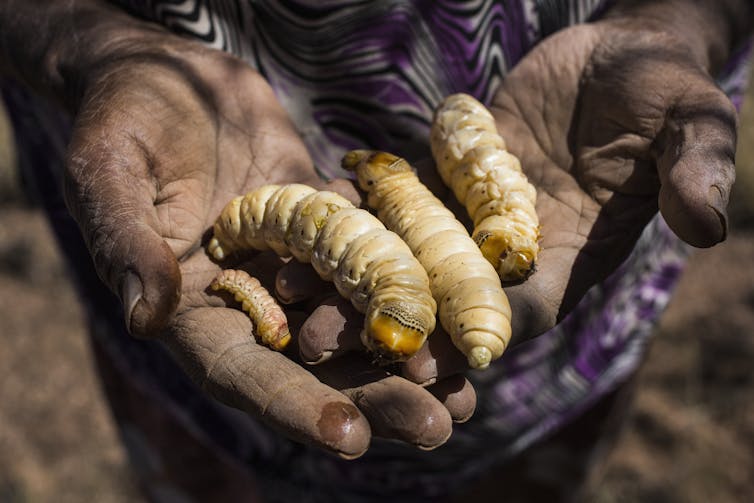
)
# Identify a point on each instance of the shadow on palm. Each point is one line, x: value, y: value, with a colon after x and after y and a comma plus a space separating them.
x: 609, y: 129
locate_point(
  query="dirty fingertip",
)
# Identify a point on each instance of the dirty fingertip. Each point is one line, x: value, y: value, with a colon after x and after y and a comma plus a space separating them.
x: 150, y: 296
x: 457, y: 395
x: 331, y: 330
x: 131, y: 293
x: 438, y: 358
x: 295, y: 282
x: 400, y: 410
x: 310, y: 346
x: 436, y: 431
x: 421, y: 368
x: 344, y: 429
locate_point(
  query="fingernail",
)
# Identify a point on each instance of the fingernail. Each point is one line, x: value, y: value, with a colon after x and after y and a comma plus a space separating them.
x: 426, y: 382
x: 342, y: 427
x: 285, y: 294
x: 323, y: 357
x: 281, y: 285
x: 718, y: 203
x: 464, y: 418
x: 131, y: 292
x: 437, y: 431
x: 293, y: 299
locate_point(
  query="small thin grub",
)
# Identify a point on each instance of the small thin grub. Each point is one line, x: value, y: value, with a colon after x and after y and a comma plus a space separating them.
x: 295, y: 222
x: 270, y: 322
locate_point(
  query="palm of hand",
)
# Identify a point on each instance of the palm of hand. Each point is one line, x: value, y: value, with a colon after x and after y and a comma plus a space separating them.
x: 166, y: 141
x: 605, y: 121
x: 179, y: 137
x: 153, y: 161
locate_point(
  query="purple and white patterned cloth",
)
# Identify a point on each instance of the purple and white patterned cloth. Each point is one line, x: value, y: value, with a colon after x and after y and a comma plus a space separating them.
x: 355, y: 74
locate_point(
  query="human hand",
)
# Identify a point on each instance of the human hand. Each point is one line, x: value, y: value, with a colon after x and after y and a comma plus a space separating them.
x: 165, y: 135
x: 611, y: 121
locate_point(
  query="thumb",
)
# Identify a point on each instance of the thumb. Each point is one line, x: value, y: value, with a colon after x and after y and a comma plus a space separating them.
x: 111, y: 196
x: 696, y: 164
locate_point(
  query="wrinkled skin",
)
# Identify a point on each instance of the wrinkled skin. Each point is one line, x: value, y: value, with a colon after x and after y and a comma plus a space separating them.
x: 627, y: 123
x: 609, y: 121
x: 162, y: 142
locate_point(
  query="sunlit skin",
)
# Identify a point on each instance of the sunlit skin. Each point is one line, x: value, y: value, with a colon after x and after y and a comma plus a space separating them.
x: 612, y: 120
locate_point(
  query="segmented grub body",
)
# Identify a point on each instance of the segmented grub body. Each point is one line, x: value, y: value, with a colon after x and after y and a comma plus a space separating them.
x: 368, y: 264
x: 473, y: 161
x: 472, y: 306
x: 270, y: 323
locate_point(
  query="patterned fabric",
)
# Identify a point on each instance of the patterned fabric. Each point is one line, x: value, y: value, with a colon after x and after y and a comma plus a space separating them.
x: 354, y: 74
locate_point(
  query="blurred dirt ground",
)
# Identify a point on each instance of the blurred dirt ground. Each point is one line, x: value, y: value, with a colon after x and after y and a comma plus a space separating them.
x: 57, y: 442
x: 690, y: 434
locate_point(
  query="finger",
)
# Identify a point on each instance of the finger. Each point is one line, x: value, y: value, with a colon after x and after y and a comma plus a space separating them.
x: 437, y: 359
x: 215, y: 347
x: 111, y: 196
x: 332, y: 330
x: 696, y: 163
x: 296, y: 320
x: 396, y: 408
x: 297, y: 281
x: 457, y: 395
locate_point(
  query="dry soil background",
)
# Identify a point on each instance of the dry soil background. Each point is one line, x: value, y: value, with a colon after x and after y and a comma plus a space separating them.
x: 690, y: 435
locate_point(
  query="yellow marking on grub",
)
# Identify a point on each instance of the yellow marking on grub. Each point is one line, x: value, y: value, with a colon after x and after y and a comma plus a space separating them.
x: 394, y: 338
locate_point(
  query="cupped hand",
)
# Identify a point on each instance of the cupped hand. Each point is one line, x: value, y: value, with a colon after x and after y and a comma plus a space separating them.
x: 610, y: 121
x: 164, y: 137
